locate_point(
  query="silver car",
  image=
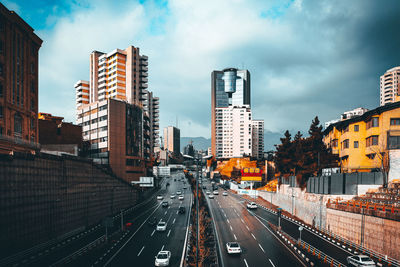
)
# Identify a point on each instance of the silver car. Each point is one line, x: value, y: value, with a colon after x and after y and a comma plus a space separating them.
x: 360, y: 260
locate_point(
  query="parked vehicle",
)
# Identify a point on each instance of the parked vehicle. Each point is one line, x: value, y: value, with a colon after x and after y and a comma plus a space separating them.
x: 233, y: 248
x: 162, y: 258
x: 360, y: 260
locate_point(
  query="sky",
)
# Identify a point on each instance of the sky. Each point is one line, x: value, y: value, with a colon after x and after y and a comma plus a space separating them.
x: 306, y: 58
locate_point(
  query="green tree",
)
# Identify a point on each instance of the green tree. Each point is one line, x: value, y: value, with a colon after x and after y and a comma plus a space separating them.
x: 284, y: 155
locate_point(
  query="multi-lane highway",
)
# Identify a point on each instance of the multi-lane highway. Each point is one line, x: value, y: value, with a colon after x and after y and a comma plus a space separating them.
x: 144, y: 242
x: 235, y: 223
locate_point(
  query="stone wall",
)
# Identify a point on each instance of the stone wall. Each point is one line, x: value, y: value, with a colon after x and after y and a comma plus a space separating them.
x: 43, y: 197
x: 381, y: 235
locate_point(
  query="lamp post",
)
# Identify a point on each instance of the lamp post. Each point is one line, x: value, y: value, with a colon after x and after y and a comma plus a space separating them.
x: 300, y: 229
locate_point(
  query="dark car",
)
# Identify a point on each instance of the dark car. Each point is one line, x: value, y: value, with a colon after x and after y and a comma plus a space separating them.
x: 167, y: 184
x: 182, y: 210
x: 165, y: 204
x: 204, y: 187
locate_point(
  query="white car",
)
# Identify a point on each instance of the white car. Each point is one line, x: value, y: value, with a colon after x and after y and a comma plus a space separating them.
x: 161, y: 226
x: 159, y: 197
x: 178, y: 192
x: 251, y: 205
x: 162, y: 258
x: 172, y: 196
x: 360, y: 260
x: 208, y: 192
x: 215, y: 192
x: 233, y: 248
x: 225, y: 193
x: 210, y: 196
x: 181, y: 197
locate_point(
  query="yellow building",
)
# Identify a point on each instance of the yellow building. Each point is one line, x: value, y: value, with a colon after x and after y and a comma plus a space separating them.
x: 362, y: 143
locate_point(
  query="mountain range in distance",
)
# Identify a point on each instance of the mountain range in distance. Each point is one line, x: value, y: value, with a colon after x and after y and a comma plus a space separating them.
x: 201, y: 143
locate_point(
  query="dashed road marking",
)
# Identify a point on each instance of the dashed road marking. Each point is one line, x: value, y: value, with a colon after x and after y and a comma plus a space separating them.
x: 246, y: 263
x: 153, y: 232
x: 261, y: 248
x: 234, y: 236
x: 173, y: 221
x: 140, y: 251
x: 271, y: 263
x: 242, y: 220
x: 253, y: 236
x: 247, y: 228
x: 169, y: 232
x: 162, y: 248
x: 231, y: 227
x: 227, y: 220
x: 165, y: 213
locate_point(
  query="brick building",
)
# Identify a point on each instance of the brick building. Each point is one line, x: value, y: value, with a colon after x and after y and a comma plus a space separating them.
x: 19, y: 48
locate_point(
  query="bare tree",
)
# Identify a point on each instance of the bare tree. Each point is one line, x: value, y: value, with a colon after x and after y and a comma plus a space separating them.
x: 381, y: 156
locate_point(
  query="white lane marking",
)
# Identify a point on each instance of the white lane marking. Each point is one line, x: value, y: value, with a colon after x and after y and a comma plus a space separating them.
x: 253, y: 236
x: 225, y: 215
x: 173, y: 221
x: 247, y: 228
x: 242, y: 220
x: 228, y: 220
x: 169, y: 232
x: 246, y: 263
x: 140, y: 251
x: 153, y: 233
x: 261, y: 248
x: 177, y: 212
x: 231, y: 227
x: 271, y: 263
x: 162, y: 248
x: 165, y: 213
x: 234, y: 236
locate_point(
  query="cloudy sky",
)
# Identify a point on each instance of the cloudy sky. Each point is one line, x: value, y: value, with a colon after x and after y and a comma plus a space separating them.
x: 306, y: 58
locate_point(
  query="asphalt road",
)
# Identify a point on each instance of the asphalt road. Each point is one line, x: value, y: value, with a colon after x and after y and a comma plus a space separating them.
x: 146, y: 242
x: 333, y: 250
x: 235, y: 223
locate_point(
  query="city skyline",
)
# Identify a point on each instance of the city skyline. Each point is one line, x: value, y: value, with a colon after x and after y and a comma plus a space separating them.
x: 303, y: 62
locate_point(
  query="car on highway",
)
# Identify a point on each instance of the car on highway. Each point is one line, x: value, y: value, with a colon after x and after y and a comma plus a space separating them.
x: 215, y: 192
x: 210, y: 196
x: 208, y: 192
x: 181, y: 197
x: 160, y: 197
x: 178, y: 192
x: 172, y: 196
x: 162, y: 258
x: 184, y: 187
x: 204, y: 187
x: 164, y: 204
x: 233, y: 248
x: 251, y: 205
x: 161, y: 226
x: 225, y: 193
x: 182, y: 210
x: 360, y: 260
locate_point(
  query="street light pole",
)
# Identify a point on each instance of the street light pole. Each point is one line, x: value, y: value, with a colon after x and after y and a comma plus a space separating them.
x: 197, y: 208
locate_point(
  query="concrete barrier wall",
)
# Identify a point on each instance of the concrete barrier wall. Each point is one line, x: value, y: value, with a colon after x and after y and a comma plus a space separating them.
x: 43, y: 197
x: 381, y: 235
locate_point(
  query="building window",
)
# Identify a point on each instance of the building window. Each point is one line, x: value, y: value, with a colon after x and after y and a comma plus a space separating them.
x: 373, y: 122
x: 345, y: 144
x: 395, y: 121
x: 32, y: 68
x: 372, y: 140
x: 394, y: 142
x: 32, y: 105
x: 355, y: 144
x: 17, y: 124
x: 33, y: 123
x: 1, y: 89
x: 1, y: 111
x: 356, y: 128
x: 1, y: 47
x: 32, y: 87
x: 334, y: 143
x: 1, y: 70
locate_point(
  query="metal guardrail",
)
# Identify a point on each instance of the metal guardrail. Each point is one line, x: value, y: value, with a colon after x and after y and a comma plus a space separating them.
x: 79, y: 252
x: 319, y: 254
x: 187, y: 240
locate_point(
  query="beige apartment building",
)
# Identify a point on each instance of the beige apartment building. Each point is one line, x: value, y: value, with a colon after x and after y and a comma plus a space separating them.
x: 118, y: 115
x: 389, y: 86
x: 172, y: 139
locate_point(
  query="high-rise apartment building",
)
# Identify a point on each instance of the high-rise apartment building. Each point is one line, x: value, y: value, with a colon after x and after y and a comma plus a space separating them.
x: 172, y: 139
x: 389, y: 86
x: 19, y: 68
x: 231, y: 117
x: 119, y: 116
x: 258, y: 138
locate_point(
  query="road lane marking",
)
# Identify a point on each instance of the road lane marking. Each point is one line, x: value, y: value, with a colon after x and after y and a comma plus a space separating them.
x: 165, y: 213
x: 225, y: 215
x: 153, y: 232
x: 231, y: 227
x: 177, y: 212
x: 173, y: 221
x: 169, y: 232
x: 242, y: 220
x: 162, y: 248
x: 228, y: 221
x: 247, y: 228
x: 234, y: 236
x: 140, y: 251
x: 246, y: 263
x: 253, y: 236
x: 261, y: 248
x: 271, y: 263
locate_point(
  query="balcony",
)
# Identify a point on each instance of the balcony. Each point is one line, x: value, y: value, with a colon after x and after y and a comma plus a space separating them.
x: 144, y: 68
x: 143, y: 85
x: 143, y: 74
x: 143, y: 62
x: 144, y: 80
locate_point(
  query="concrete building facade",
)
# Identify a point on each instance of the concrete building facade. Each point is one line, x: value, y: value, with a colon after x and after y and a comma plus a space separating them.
x: 389, y: 86
x: 19, y: 50
x: 258, y: 138
x: 172, y: 139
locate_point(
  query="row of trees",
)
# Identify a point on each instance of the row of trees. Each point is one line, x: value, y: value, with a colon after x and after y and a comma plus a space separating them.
x: 304, y: 157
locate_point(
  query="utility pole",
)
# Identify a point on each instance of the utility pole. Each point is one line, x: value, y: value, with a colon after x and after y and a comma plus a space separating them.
x: 197, y: 208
